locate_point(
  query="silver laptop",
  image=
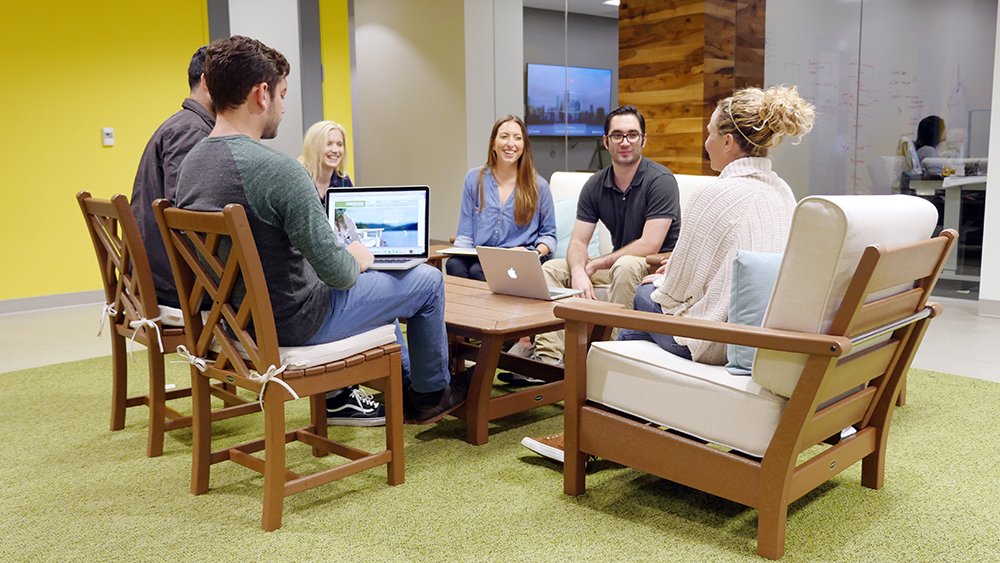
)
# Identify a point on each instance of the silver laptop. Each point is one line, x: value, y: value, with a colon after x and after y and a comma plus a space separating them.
x: 515, y: 271
x: 391, y: 221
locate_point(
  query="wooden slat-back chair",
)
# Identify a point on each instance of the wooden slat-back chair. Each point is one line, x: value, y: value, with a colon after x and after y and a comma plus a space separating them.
x: 851, y: 377
x: 215, y: 260
x: 130, y: 299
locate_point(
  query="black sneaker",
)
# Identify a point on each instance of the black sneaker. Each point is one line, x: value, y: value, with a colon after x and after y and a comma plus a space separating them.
x: 511, y: 378
x: 428, y: 408
x: 354, y: 408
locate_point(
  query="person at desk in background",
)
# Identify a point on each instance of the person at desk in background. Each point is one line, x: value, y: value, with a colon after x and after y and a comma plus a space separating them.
x: 930, y: 134
x: 748, y: 208
x: 324, y: 150
x: 505, y: 202
x: 320, y: 290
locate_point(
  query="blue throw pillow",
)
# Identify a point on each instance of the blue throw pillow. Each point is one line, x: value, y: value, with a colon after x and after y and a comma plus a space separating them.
x: 754, y: 276
x: 565, y: 212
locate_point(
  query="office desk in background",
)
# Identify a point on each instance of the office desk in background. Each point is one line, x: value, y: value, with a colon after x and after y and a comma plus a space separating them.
x: 953, y: 187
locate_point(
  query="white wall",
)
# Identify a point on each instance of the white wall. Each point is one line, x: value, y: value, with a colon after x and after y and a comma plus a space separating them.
x: 409, y: 100
x: 989, y: 283
x: 494, y: 70
x: 276, y: 23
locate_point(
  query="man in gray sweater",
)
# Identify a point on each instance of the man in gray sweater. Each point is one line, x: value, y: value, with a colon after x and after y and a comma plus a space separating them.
x: 320, y: 290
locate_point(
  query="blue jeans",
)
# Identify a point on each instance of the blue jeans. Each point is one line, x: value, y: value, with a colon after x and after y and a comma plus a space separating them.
x: 643, y: 302
x: 382, y: 297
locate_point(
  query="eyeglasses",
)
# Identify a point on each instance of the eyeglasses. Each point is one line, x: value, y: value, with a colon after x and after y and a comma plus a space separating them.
x: 632, y: 136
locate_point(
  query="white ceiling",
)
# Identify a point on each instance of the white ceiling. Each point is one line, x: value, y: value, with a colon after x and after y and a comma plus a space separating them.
x: 588, y: 7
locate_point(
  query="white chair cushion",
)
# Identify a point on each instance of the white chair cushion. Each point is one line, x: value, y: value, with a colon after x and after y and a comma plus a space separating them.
x: 302, y: 357
x: 827, y: 237
x: 170, y: 316
x: 705, y: 401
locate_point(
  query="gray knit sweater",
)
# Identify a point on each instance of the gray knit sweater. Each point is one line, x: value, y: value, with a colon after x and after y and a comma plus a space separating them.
x: 748, y: 208
x: 301, y: 256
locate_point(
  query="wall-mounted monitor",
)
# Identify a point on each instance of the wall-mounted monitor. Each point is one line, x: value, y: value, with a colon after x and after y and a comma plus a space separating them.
x: 567, y: 100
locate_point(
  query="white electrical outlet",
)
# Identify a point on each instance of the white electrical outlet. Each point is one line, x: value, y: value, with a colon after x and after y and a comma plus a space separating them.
x: 108, y: 136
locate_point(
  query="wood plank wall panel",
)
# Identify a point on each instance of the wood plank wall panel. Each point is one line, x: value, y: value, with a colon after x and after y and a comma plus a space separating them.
x: 676, y: 59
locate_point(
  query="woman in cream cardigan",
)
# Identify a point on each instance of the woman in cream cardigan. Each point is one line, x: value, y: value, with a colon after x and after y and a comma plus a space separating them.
x: 748, y: 208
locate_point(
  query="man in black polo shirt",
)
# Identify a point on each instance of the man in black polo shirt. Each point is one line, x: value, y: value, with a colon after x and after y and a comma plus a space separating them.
x: 638, y: 202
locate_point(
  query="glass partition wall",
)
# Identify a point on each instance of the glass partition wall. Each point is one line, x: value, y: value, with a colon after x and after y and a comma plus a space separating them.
x: 877, y: 69
x: 571, y: 81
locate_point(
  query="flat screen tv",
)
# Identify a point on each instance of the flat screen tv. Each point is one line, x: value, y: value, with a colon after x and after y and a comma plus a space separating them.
x: 567, y: 100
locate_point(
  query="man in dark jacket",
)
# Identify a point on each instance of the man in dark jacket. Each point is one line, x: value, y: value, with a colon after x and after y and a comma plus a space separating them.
x: 161, y: 164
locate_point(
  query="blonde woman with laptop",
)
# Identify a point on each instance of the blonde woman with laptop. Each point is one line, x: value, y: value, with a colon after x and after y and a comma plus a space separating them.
x: 505, y: 202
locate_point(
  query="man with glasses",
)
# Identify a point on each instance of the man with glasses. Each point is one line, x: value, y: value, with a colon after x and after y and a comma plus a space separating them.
x: 638, y: 201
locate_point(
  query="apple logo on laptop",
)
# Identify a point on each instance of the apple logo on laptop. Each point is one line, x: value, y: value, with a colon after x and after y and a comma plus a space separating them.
x: 512, y: 273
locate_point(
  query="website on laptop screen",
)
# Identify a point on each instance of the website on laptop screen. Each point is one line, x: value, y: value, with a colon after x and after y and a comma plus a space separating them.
x: 390, y: 222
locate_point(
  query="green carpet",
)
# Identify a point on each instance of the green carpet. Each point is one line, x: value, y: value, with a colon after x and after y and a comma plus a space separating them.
x: 72, y: 490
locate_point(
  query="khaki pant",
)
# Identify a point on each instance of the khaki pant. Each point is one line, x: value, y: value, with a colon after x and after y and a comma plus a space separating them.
x: 623, y: 277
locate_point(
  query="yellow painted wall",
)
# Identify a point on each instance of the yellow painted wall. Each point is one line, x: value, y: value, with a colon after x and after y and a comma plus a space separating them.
x: 335, y: 55
x: 73, y: 68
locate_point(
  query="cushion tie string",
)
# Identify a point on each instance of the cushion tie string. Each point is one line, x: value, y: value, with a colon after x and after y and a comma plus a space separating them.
x: 190, y: 358
x: 138, y: 324
x: 267, y: 376
x: 108, y: 311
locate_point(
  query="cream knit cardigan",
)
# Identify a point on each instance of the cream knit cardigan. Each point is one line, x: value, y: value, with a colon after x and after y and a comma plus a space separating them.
x: 748, y: 208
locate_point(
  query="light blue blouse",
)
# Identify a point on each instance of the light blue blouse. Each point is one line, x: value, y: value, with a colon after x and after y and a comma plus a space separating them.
x: 495, y: 225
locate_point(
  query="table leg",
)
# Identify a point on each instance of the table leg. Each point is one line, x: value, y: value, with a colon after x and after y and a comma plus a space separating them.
x: 477, y: 406
x: 951, y: 220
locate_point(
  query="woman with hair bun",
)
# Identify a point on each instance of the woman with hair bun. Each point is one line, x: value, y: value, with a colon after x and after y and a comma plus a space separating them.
x: 749, y: 207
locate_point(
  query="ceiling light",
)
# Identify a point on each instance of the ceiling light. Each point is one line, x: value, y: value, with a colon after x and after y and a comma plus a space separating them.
x: 612, y: 2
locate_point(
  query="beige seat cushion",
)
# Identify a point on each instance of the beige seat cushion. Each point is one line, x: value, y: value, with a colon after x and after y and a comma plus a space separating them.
x: 642, y: 379
x: 302, y: 357
x: 170, y: 316
x: 827, y: 237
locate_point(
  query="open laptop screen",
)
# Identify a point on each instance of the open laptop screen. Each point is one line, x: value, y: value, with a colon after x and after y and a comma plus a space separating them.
x: 391, y: 221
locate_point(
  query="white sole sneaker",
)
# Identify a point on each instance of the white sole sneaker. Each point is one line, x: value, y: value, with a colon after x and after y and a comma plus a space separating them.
x: 544, y: 450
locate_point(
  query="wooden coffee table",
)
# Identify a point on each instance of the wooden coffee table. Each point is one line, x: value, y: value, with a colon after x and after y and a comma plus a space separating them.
x: 473, y: 312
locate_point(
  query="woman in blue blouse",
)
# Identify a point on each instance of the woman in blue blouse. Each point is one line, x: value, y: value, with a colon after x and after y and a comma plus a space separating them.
x: 324, y: 151
x: 505, y: 203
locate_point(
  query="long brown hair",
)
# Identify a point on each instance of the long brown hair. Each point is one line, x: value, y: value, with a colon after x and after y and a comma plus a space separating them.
x: 525, y: 189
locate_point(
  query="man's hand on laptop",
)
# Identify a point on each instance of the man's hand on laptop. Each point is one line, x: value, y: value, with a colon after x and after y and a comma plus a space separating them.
x: 361, y: 254
x: 582, y: 282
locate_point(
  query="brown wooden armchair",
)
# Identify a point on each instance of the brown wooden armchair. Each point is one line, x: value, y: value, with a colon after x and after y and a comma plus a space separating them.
x: 846, y: 316
x: 216, y: 265
x: 134, y: 313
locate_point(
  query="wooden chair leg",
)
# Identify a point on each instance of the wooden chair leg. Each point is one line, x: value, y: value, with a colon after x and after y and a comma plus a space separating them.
x: 157, y: 401
x: 119, y: 380
x: 772, y: 522
x: 201, y: 432
x: 873, y: 469
x: 274, y: 458
x: 901, y: 399
x: 574, y: 470
x: 317, y: 418
x: 394, y: 422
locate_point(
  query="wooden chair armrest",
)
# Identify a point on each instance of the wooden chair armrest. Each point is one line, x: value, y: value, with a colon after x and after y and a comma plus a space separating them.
x: 590, y: 312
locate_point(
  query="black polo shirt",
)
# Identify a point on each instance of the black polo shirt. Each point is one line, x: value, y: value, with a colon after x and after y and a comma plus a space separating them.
x: 653, y: 194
